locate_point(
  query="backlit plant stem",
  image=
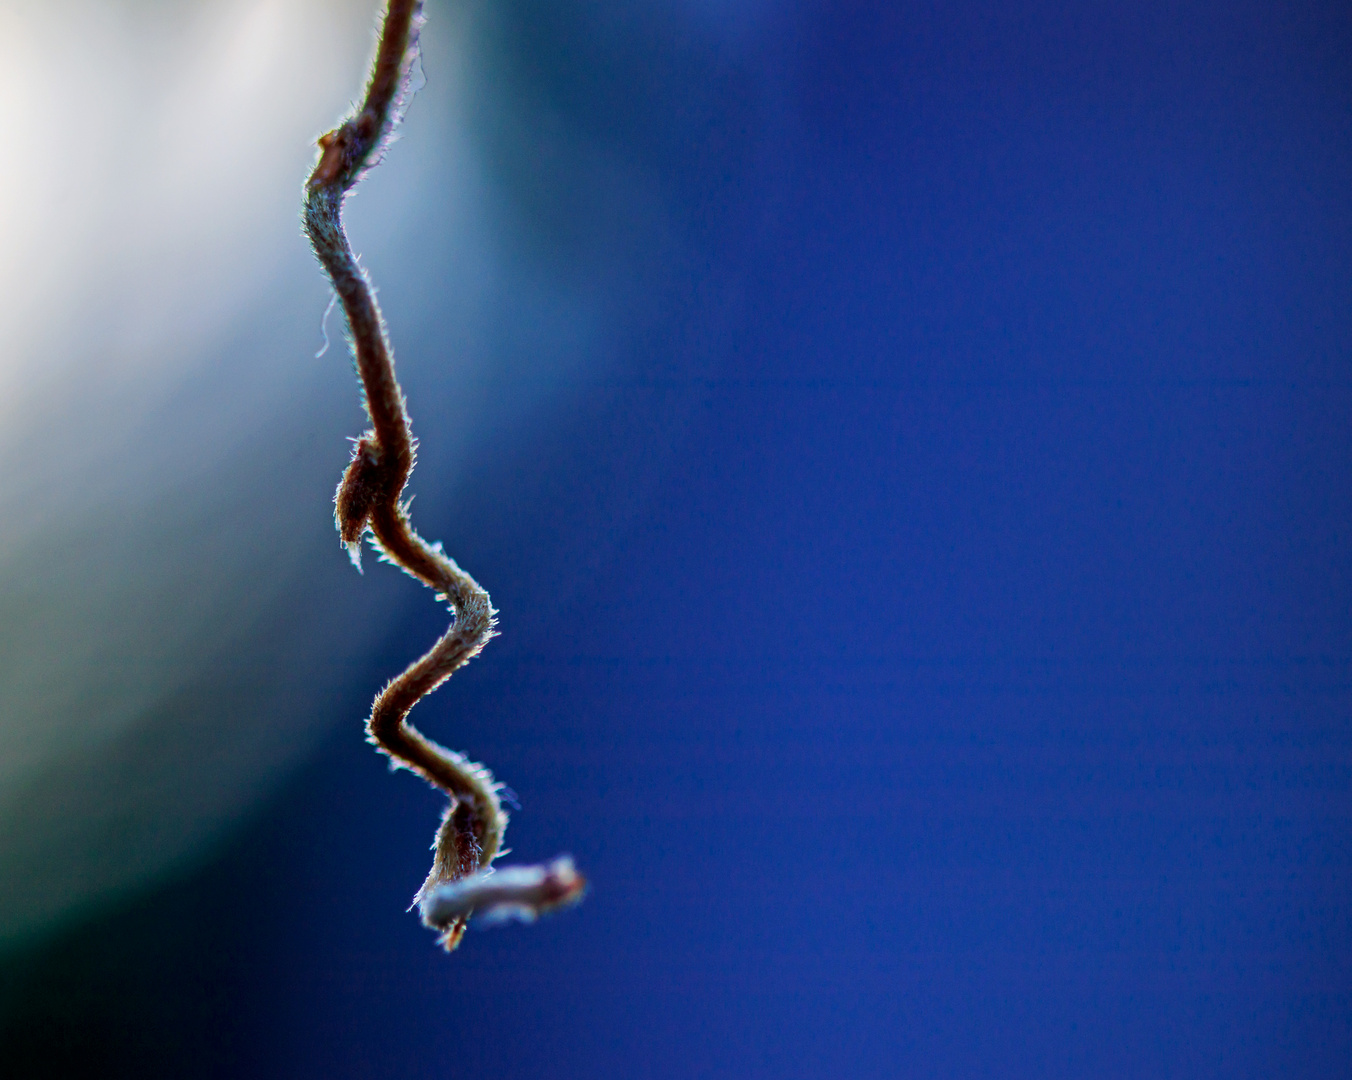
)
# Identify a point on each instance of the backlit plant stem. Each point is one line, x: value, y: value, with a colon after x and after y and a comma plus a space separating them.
x: 368, y: 499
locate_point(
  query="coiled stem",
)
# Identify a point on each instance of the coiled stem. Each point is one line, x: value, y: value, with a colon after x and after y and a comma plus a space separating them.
x: 368, y: 500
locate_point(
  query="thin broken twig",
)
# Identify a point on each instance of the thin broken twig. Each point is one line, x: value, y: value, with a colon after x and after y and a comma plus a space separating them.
x: 368, y: 500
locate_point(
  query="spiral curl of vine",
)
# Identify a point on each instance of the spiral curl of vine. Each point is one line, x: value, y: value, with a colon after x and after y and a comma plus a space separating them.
x: 461, y: 883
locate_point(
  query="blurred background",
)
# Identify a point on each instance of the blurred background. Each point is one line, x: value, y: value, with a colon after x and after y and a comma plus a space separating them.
x: 908, y: 446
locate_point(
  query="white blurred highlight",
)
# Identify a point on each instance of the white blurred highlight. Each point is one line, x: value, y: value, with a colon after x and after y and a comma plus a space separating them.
x: 141, y: 146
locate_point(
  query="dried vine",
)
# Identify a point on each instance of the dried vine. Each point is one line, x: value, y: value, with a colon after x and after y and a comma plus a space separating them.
x: 461, y: 882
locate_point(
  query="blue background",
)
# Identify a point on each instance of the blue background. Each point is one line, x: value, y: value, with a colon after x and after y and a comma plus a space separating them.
x: 928, y: 630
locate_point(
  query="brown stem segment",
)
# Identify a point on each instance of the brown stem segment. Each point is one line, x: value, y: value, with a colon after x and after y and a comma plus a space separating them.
x: 368, y: 497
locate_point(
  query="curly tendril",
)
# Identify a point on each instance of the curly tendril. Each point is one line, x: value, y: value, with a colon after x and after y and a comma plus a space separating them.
x: 461, y: 883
